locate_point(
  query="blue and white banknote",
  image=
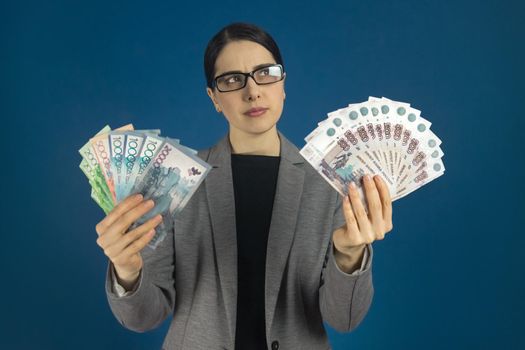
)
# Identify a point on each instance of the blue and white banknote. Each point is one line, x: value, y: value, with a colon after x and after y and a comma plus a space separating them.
x: 125, y: 161
x: 170, y: 179
x: 378, y: 137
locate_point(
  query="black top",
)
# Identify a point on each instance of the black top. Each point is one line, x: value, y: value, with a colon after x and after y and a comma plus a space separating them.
x: 254, y: 183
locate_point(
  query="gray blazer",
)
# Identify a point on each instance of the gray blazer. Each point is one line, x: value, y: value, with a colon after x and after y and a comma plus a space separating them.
x: 192, y: 274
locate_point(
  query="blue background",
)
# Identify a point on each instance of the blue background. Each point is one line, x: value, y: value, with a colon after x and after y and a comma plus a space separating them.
x: 450, y: 274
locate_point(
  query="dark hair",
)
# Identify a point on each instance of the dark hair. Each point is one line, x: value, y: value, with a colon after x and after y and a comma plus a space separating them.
x: 233, y: 32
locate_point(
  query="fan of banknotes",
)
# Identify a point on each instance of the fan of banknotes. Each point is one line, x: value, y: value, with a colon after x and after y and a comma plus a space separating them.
x: 125, y: 161
x: 378, y: 137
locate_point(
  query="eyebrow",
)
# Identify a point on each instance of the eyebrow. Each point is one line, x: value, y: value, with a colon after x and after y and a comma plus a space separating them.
x: 254, y: 68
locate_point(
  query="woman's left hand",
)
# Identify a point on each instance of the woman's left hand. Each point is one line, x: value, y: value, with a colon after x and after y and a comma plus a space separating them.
x: 362, y: 228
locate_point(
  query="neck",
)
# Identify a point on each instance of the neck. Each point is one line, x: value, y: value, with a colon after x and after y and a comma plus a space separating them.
x: 265, y: 144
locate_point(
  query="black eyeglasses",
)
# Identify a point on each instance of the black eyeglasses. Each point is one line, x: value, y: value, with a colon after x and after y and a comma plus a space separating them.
x: 262, y: 76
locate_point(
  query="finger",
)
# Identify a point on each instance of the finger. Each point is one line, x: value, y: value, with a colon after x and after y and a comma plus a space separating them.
x: 120, y: 244
x: 119, y: 227
x: 359, y: 210
x: 386, y: 200
x: 137, y: 245
x: 128, y: 218
x: 127, y: 204
x: 351, y: 221
x: 375, y: 209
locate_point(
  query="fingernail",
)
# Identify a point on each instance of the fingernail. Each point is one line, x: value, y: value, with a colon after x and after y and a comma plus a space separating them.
x: 138, y: 196
x: 368, y: 178
x: 150, y: 202
x: 352, y: 185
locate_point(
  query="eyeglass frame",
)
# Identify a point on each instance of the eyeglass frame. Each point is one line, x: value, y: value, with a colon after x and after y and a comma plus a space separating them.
x: 250, y: 74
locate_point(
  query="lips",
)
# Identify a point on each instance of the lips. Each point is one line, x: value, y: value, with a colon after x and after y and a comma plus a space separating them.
x: 257, y: 111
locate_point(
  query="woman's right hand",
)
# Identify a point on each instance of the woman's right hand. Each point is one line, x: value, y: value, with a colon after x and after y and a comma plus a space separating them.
x: 122, y: 247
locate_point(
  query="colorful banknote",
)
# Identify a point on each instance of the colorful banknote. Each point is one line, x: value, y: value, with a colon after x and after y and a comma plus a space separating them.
x: 125, y: 161
x: 378, y: 137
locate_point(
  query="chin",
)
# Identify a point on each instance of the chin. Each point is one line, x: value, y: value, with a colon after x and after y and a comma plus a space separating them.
x: 258, y: 129
x: 254, y: 125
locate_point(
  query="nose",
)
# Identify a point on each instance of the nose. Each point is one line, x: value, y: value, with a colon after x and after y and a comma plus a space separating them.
x: 251, y: 90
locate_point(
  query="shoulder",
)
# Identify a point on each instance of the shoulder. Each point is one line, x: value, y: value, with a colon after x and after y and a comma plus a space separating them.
x: 314, y: 184
x: 204, y: 153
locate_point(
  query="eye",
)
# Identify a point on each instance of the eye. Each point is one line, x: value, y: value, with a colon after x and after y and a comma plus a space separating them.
x: 270, y: 72
x: 232, y: 79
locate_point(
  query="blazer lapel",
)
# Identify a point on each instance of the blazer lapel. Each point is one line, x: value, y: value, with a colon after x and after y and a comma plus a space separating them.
x: 282, y: 227
x: 219, y: 191
x: 220, y: 195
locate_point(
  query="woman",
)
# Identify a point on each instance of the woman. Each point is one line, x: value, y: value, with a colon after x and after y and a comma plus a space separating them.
x: 265, y: 250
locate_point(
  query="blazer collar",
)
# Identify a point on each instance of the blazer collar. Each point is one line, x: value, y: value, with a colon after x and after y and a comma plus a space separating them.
x: 220, y: 154
x: 221, y: 201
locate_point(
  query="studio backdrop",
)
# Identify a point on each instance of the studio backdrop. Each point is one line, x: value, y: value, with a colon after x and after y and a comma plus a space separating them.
x: 449, y: 275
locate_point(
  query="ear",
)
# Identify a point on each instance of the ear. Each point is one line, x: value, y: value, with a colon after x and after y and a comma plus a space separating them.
x: 211, y: 94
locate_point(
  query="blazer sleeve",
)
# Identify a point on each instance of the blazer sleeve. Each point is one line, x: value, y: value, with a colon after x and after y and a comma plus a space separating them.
x: 344, y: 299
x: 153, y: 299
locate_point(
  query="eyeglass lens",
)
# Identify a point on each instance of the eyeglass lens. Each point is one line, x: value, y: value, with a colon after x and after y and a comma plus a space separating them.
x: 265, y: 75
